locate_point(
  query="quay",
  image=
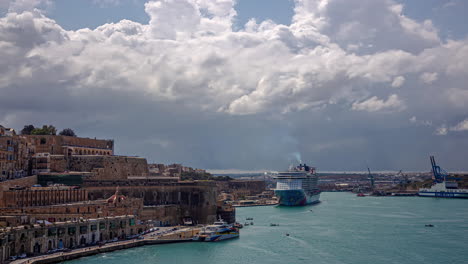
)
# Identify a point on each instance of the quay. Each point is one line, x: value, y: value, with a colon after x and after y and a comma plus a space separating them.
x: 252, y: 205
x: 178, y: 236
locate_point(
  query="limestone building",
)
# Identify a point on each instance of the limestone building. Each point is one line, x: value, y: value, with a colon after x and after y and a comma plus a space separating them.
x: 14, y: 155
x: 57, y: 205
x: 65, y: 145
x: 37, y: 239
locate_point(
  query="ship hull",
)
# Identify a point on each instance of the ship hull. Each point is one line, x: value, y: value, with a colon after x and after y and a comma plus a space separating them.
x: 296, y: 197
x: 215, y: 238
x: 443, y: 194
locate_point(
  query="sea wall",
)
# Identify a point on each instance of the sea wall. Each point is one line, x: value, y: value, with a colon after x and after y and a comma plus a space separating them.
x: 22, y: 182
x: 193, y: 199
x: 58, y: 258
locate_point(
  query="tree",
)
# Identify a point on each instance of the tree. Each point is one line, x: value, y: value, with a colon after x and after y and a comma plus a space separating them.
x: 45, y: 130
x: 67, y: 132
x: 27, y: 130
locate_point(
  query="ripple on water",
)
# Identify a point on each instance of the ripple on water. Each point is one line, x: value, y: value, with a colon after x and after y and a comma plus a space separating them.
x: 341, y: 229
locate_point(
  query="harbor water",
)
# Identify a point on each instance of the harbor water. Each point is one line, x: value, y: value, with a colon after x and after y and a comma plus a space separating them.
x: 343, y: 228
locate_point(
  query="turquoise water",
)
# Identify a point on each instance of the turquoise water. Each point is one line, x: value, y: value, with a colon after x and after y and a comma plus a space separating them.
x: 343, y: 228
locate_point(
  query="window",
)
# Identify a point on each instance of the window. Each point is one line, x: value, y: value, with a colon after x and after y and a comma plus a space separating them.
x: 71, y: 230
x: 83, y: 229
x: 43, y: 141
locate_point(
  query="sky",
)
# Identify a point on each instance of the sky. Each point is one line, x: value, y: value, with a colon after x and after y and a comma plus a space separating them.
x: 247, y: 85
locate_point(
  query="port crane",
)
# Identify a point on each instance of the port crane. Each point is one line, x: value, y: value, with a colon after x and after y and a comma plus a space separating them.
x: 440, y: 174
x: 437, y: 171
x: 371, y: 178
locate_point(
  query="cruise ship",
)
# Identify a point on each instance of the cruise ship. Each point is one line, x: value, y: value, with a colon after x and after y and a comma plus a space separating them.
x: 297, y: 186
x: 442, y: 186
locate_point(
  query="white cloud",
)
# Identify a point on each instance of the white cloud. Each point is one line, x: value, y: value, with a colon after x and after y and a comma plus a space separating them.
x: 457, y: 97
x: 398, y: 81
x: 190, y: 54
x: 189, y: 64
x: 374, y: 104
x: 462, y: 126
x: 441, y: 131
x: 429, y: 77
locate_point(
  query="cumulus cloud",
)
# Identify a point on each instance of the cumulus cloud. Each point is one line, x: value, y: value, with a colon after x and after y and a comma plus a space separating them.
x: 429, y: 77
x: 335, y: 56
x: 442, y: 130
x: 374, y: 104
x: 462, y: 126
x: 398, y: 81
x: 189, y: 51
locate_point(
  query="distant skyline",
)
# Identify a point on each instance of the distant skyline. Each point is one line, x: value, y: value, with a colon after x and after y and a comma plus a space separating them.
x: 247, y: 84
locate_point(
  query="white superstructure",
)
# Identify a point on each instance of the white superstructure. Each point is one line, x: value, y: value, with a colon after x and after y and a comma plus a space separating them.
x: 444, y: 190
x: 218, y: 231
x: 298, y: 186
x: 443, y: 187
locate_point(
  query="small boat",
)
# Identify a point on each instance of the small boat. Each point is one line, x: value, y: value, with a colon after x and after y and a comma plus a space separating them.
x: 218, y: 231
x: 246, y: 224
x: 251, y: 223
x: 287, y: 234
x: 360, y: 195
x: 249, y: 218
x: 274, y: 224
x: 429, y: 225
x: 238, y: 225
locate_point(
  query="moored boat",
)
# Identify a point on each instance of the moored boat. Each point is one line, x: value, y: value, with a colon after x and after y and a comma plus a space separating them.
x: 442, y: 186
x: 218, y: 231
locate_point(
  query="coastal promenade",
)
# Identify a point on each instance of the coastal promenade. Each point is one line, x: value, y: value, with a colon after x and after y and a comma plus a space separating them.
x: 153, y: 238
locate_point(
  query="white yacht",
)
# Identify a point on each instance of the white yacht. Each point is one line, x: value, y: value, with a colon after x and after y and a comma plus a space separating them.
x: 218, y: 231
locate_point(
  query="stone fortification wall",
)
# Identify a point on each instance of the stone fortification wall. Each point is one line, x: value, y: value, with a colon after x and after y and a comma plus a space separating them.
x: 42, y: 197
x: 58, y: 163
x: 59, y: 145
x: 194, y: 199
x: 22, y: 182
x: 241, y: 188
x: 109, y: 167
x: 76, y: 211
x: 162, y: 214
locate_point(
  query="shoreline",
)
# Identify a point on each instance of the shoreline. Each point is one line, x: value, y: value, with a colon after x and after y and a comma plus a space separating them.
x: 176, y: 237
x: 253, y: 205
x: 85, y: 252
